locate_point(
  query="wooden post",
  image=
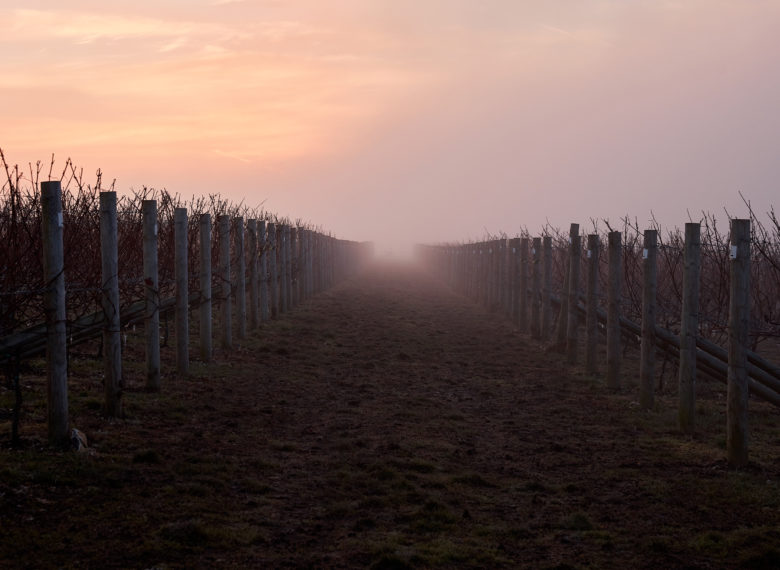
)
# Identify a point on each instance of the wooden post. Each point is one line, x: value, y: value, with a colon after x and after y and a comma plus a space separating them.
x: 112, y: 333
x: 514, y: 285
x: 294, y: 267
x: 181, y: 270
x: 282, y: 242
x: 263, y: 247
x: 288, y: 275
x: 689, y: 325
x: 254, y: 299
x: 523, y: 285
x: 562, y: 325
x: 206, y: 346
x: 273, y: 272
x: 151, y: 295
x: 739, y: 329
x: 591, y: 309
x: 572, y: 328
x: 536, y: 280
x: 647, y: 352
x: 240, y: 277
x: 224, y: 275
x: 615, y: 254
x: 54, y: 308
x: 547, y: 288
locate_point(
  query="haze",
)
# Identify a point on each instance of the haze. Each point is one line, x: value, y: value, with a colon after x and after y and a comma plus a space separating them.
x: 400, y: 121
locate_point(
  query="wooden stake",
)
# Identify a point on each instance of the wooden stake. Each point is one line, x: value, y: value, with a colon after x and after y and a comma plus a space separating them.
x: 151, y: 295
x: 689, y: 326
x: 206, y: 345
x: 647, y: 352
x: 54, y: 307
x: 615, y: 254
x: 591, y: 307
x: 739, y: 329
x: 182, y: 291
x: 224, y: 275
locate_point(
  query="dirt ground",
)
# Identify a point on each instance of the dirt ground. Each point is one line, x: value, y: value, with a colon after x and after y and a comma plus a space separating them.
x: 387, y: 424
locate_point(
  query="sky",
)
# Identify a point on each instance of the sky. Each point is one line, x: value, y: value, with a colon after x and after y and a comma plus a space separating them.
x: 403, y: 121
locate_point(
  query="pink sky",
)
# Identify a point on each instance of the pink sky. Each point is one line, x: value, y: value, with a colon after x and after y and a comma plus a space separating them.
x: 407, y: 120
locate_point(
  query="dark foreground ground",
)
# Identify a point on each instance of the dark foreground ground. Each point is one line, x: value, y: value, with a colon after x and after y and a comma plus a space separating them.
x: 385, y: 424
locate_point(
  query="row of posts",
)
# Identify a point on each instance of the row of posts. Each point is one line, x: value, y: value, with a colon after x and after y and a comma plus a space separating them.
x: 286, y: 265
x: 515, y: 276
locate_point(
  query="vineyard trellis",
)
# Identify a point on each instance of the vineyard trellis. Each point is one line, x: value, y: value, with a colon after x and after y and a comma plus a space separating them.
x: 138, y: 259
x: 674, y: 294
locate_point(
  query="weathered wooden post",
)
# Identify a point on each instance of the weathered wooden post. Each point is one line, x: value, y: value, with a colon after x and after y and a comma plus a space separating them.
x: 739, y: 329
x: 536, y: 281
x: 514, y: 286
x: 273, y: 271
x: 254, y: 292
x: 54, y: 307
x: 151, y: 294
x: 263, y: 246
x: 503, y: 277
x: 112, y: 333
x: 547, y: 288
x: 562, y: 325
x: 572, y: 328
x: 288, y: 269
x: 181, y: 272
x: 647, y: 351
x: 523, y: 289
x: 282, y: 240
x: 206, y: 346
x: 224, y: 275
x: 689, y: 326
x: 240, y: 277
x: 591, y: 309
x: 615, y: 254
x: 294, y: 266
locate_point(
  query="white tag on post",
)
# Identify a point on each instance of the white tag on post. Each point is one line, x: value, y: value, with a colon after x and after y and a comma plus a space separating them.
x: 733, y: 253
x: 644, y: 253
x: 59, y: 219
x: 590, y: 254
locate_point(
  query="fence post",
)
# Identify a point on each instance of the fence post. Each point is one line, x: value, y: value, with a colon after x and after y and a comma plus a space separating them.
x: 263, y: 246
x: 206, y: 348
x: 523, y: 288
x: 572, y: 329
x: 547, y: 288
x: 647, y: 353
x: 54, y: 306
x: 591, y: 308
x: 562, y: 325
x: 181, y: 271
x: 294, y: 267
x: 282, y: 240
x: 536, y: 302
x: 288, y: 259
x: 513, y: 278
x: 112, y: 334
x: 224, y: 275
x: 615, y: 254
x: 689, y: 324
x: 254, y: 302
x: 240, y: 278
x: 273, y: 272
x: 151, y: 295
x: 739, y: 328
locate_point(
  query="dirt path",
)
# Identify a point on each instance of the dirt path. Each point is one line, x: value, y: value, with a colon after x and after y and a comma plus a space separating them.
x: 390, y: 424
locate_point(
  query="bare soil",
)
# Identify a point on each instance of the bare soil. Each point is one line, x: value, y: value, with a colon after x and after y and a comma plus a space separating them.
x: 387, y: 423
